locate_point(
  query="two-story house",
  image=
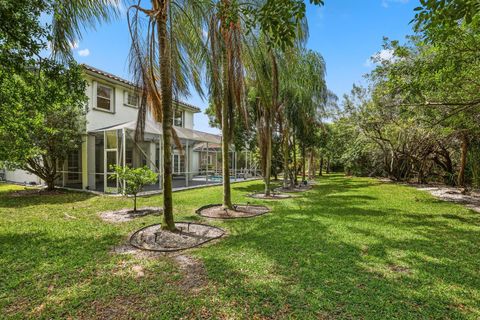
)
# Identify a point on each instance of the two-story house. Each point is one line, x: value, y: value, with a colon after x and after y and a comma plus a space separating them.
x: 110, y: 140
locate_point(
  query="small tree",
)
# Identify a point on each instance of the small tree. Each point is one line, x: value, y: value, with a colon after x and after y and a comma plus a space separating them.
x: 135, y: 179
x: 43, y: 117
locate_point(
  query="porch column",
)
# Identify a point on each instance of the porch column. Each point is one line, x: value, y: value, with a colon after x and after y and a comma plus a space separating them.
x: 206, y: 166
x: 160, y: 163
x: 235, y: 163
x: 84, y: 162
x: 90, y: 164
x: 187, y: 163
x: 124, y: 152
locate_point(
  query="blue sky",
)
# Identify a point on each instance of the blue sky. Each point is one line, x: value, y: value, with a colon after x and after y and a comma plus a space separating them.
x: 346, y: 32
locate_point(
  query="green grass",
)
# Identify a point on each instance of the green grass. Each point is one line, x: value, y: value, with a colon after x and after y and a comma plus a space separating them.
x: 350, y: 248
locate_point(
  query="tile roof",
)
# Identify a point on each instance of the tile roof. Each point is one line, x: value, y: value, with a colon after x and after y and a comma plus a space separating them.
x: 129, y: 83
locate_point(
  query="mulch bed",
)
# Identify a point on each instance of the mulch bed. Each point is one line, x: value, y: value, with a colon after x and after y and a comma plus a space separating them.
x: 189, y: 235
x: 272, y: 196
x: 299, y: 188
x: 34, y: 192
x: 216, y: 211
x: 125, y: 215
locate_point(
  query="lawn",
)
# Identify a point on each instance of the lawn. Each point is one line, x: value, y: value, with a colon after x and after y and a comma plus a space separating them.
x: 350, y: 248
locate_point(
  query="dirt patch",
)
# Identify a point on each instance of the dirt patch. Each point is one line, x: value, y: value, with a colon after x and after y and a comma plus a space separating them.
x: 121, y: 307
x: 188, y: 235
x: 299, y: 188
x: 35, y: 192
x: 240, y: 211
x: 471, y: 199
x: 141, y: 254
x: 399, y: 269
x: 273, y: 196
x: 194, y: 275
x: 125, y: 215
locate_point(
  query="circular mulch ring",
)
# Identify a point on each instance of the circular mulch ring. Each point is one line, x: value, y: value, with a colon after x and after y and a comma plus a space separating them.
x: 300, y: 188
x: 125, y: 215
x: 215, y: 211
x: 272, y: 196
x: 189, y: 235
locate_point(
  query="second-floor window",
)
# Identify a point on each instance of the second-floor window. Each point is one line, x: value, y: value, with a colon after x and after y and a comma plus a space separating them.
x: 131, y: 99
x: 178, y: 118
x: 104, y: 97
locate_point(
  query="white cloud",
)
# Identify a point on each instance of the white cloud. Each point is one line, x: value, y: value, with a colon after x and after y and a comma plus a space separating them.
x: 73, y: 45
x: 84, y: 53
x: 386, y: 3
x: 382, y: 55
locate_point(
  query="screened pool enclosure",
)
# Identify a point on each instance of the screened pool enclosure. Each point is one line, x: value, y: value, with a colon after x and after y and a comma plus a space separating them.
x: 197, y: 162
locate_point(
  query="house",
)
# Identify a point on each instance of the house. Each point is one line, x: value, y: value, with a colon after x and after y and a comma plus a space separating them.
x: 110, y: 140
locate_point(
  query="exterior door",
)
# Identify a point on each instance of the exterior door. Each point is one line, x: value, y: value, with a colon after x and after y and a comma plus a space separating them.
x: 111, y: 182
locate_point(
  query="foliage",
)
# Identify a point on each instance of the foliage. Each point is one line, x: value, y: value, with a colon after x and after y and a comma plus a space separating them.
x: 433, y: 14
x: 134, y: 180
x: 42, y: 118
x: 381, y: 244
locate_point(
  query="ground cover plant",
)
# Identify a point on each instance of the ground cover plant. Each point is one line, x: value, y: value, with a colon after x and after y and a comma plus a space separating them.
x: 348, y: 248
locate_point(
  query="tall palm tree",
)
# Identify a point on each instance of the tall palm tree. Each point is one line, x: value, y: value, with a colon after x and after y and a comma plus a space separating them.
x: 160, y: 61
x: 225, y: 76
x: 304, y: 97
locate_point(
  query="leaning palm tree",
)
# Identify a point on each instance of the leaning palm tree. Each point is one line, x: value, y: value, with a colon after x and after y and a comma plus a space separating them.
x: 160, y: 54
x: 71, y: 17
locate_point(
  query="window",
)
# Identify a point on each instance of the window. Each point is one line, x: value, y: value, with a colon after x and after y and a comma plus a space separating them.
x: 131, y: 99
x: 104, y: 97
x: 73, y: 166
x: 178, y: 118
x: 178, y: 164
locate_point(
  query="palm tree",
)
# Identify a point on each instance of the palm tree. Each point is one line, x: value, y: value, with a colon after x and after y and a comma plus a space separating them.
x: 225, y: 76
x: 304, y: 99
x: 160, y: 58
x: 71, y: 17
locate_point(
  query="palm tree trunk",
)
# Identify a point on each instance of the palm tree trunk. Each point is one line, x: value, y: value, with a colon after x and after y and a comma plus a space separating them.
x: 166, y: 90
x: 295, y: 169
x: 135, y: 202
x: 268, y: 163
x: 320, y: 173
x: 311, y: 167
x: 304, y: 162
x: 227, y: 197
x: 286, y: 155
x: 463, y: 160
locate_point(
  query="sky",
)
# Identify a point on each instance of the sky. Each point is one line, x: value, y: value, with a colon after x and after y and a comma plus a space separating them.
x: 346, y: 32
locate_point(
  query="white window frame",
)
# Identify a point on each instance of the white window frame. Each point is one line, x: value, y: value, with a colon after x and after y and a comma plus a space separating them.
x: 95, y: 96
x: 125, y: 99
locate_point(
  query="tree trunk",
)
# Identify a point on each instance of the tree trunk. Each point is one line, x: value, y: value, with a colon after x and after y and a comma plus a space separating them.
x: 268, y: 163
x: 166, y: 90
x: 227, y: 197
x: 320, y: 173
x: 304, y: 162
x: 311, y: 167
x: 295, y: 169
x: 135, y: 202
x: 463, y: 160
x: 50, y: 184
x: 328, y: 166
x: 286, y: 154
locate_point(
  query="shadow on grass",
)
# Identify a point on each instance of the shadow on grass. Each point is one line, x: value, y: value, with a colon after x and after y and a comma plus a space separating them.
x: 332, y: 254
x: 8, y: 200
